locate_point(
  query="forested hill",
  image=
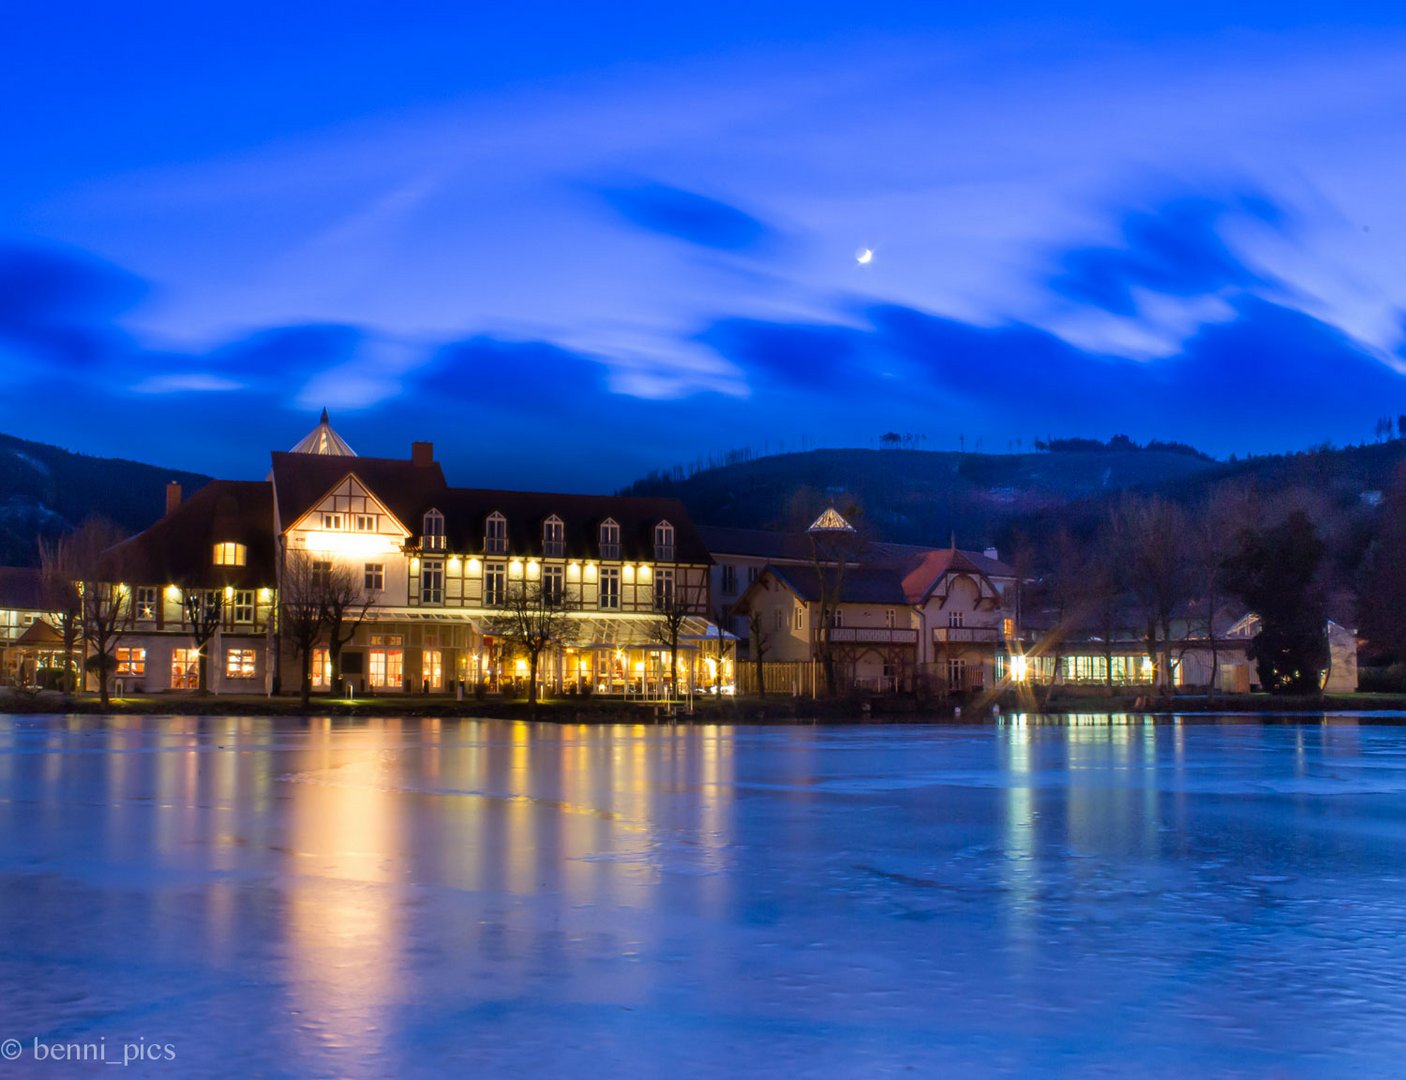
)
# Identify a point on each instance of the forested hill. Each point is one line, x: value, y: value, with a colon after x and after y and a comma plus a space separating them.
x: 45, y: 491
x: 919, y: 496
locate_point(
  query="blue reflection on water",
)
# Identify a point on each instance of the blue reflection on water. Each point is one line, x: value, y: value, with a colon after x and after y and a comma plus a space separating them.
x: 1105, y: 896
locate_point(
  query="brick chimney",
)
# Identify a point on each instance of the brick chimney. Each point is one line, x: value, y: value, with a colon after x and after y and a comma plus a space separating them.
x: 422, y: 454
x: 173, y: 496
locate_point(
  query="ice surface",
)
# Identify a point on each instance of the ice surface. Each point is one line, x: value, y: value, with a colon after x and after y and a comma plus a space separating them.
x: 422, y: 897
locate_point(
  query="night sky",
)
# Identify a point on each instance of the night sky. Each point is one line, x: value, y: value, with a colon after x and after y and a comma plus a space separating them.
x: 570, y: 246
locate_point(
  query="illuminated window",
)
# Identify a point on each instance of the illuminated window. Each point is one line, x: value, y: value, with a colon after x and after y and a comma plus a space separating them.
x: 432, y: 582
x: 433, y: 536
x: 553, y: 584
x: 185, y: 669
x: 387, y: 661
x: 553, y: 538
x: 495, y: 584
x: 609, y: 539
x: 495, y: 534
x: 321, y: 668
x: 609, y: 588
x: 131, y: 663
x: 243, y: 606
x: 375, y: 579
x: 664, y: 542
x: 432, y: 668
x: 239, y: 663
x: 144, y: 603
x: 228, y: 553
x: 663, y: 590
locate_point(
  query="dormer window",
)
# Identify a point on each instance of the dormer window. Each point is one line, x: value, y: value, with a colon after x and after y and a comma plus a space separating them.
x: 229, y: 553
x: 553, y: 538
x: 432, y: 539
x: 663, y: 542
x: 610, y: 539
x: 495, y: 534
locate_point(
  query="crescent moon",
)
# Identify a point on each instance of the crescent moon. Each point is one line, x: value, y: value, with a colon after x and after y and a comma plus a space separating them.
x: 864, y: 256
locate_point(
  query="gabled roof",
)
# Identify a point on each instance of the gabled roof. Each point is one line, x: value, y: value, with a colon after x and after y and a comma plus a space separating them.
x: 301, y: 480
x: 923, y: 571
x: 466, y: 512
x: 179, y: 549
x: 21, y: 589
x: 39, y: 633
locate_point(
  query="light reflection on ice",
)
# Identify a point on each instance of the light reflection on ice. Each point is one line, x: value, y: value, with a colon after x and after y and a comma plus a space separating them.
x: 418, y: 897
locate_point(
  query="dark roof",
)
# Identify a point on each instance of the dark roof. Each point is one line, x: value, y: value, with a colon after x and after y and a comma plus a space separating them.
x: 861, y: 585
x: 791, y: 546
x: 466, y: 512
x: 21, y: 589
x: 406, y: 489
x: 756, y: 543
x: 179, y: 549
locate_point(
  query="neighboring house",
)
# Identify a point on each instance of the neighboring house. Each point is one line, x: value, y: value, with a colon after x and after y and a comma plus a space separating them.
x: 28, y: 642
x: 1081, y: 652
x: 905, y: 616
x: 434, y: 560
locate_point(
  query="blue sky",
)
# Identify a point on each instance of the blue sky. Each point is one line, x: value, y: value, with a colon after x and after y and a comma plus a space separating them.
x: 571, y: 246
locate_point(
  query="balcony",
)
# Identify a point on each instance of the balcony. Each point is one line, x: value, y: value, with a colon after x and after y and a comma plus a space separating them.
x: 873, y: 635
x: 432, y: 542
x: 967, y: 635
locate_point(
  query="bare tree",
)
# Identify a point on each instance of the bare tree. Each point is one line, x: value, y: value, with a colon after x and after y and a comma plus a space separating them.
x: 346, y: 604
x: 59, y: 577
x: 203, y: 610
x: 761, y: 640
x: 532, y: 618
x: 1153, y: 536
x: 673, y: 607
x: 723, y: 646
x: 301, y: 612
x: 104, y: 602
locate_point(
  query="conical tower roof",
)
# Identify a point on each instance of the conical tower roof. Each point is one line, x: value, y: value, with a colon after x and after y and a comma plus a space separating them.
x: 323, y: 440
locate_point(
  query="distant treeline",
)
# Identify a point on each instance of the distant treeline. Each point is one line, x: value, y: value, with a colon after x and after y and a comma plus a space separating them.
x: 1118, y: 442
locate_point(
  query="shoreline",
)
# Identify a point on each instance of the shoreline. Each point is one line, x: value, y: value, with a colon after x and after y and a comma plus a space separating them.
x: 770, y: 710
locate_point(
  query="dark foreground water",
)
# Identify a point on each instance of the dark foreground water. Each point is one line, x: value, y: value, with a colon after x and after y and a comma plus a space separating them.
x: 404, y: 898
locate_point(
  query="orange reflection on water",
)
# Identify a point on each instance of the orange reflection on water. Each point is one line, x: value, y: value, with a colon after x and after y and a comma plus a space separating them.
x: 344, y: 930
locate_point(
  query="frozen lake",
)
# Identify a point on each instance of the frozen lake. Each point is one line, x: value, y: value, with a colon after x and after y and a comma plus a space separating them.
x: 421, y: 897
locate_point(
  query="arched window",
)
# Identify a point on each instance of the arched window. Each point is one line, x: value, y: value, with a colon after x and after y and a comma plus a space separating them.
x: 228, y: 553
x: 553, y: 538
x: 495, y: 534
x: 663, y: 542
x: 610, y: 539
x: 433, y: 536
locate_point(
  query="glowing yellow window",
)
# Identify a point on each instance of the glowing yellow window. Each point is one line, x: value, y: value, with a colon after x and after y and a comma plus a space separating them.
x: 229, y: 553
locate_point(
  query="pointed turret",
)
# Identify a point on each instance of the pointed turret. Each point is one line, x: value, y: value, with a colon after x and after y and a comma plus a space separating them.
x: 323, y: 440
